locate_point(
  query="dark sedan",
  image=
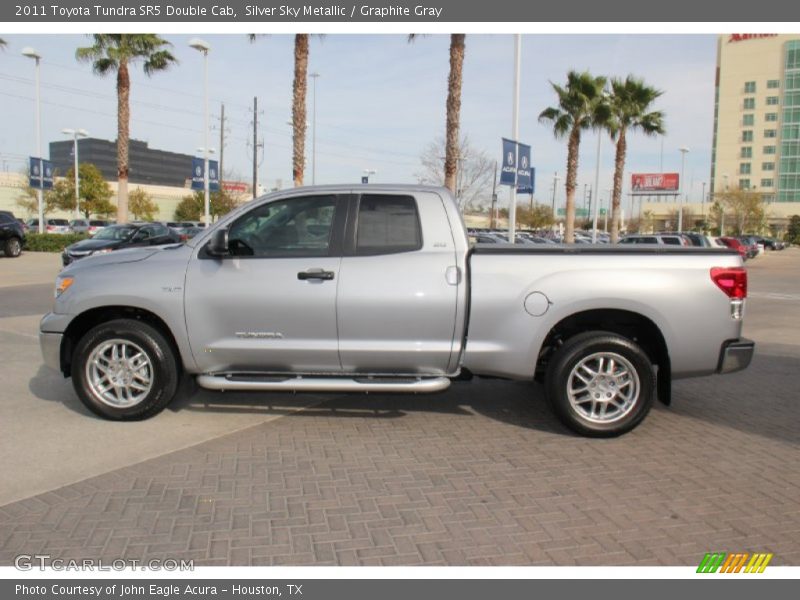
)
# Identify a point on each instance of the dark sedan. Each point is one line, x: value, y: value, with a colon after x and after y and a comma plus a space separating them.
x: 117, y: 237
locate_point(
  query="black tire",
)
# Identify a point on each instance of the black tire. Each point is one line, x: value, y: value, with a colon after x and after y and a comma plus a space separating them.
x: 163, y: 370
x: 590, y: 347
x: 12, y: 247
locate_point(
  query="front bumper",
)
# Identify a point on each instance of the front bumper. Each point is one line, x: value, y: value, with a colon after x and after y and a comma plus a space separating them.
x: 50, y: 344
x: 735, y: 355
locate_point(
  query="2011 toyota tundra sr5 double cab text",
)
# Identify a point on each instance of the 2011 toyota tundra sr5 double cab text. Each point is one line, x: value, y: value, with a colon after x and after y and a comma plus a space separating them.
x: 375, y: 288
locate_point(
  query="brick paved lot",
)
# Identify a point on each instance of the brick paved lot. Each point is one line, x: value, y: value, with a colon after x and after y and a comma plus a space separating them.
x: 479, y: 475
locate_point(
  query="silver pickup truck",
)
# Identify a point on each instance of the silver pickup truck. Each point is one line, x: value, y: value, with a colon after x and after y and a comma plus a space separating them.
x: 376, y: 289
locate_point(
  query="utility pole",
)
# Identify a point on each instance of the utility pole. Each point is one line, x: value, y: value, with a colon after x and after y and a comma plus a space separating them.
x: 221, y: 142
x: 512, y: 192
x: 492, y: 218
x: 255, y: 146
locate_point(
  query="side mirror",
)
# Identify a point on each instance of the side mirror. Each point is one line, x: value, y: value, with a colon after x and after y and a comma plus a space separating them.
x: 218, y: 246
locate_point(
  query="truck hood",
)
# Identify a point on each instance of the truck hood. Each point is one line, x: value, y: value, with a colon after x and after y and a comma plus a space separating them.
x: 127, y: 255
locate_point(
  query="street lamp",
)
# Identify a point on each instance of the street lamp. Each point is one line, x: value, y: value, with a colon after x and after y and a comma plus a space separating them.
x: 314, y: 76
x: 204, y: 47
x: 684, y: 151
x: 76, y: 133
x: 556, y: 179
x: 31, y: 53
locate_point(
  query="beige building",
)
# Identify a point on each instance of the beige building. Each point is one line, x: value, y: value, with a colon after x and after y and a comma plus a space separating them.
x: 757, y: 118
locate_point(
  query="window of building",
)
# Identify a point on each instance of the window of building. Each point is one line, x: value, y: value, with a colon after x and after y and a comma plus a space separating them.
x: 744, y: 184
x: 773, y: 84
x: 749, y: 103
x: 792, y: 55
x: 747, y: 136
x: 744, y: 168
x: 750, y: 87
x: 747, y: 152
x: 387, y: 224
x: 748, y: 120
x: 769, y: 149
x: 770, y: 133
x: 768, y: 166
x: 767, y: 183
x: 772, y: 100
x: 769, y: 117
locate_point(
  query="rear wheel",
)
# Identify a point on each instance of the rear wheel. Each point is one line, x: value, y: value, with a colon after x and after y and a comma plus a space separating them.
x: 125, y: 370
x: 600, y: 384
x: 12, y: 247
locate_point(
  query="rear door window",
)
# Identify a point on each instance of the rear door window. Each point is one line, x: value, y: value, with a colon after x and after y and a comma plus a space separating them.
x: 387, y: 224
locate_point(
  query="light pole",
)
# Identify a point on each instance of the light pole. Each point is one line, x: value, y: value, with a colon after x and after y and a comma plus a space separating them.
x: 314, y: 76
x: 556, y: 179
x: 368, y: 172
x: 684, y: 151
x: 703, y: 207
x: 31, y: 53
x: 204, y: 47
x: 512, y: 192
x: 76, y: 133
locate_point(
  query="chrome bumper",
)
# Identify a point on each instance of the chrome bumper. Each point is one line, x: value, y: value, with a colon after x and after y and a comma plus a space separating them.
x: 735, y: 355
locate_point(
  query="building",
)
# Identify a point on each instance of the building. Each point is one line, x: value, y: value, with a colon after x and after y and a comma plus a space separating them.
x: 147, y: 166
x: 756, y: 142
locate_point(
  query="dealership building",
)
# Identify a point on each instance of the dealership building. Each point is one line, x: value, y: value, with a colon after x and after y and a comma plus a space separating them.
x: 757, y: 117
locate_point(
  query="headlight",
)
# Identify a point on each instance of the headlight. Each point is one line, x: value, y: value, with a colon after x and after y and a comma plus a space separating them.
x: 102, y: 251
x: 63, y: 284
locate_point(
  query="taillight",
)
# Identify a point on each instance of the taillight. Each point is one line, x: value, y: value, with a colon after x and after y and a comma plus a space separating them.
x: 731, y: 280
x: 50, y: 228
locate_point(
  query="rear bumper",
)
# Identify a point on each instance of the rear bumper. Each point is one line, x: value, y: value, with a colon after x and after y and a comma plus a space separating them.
x: 735, y: 355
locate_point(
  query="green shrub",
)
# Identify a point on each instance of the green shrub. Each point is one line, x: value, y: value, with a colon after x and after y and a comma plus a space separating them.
x: 51, y: 242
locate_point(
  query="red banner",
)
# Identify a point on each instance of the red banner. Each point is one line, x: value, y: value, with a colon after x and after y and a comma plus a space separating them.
x: 235, y: 186
x: 655, y: 183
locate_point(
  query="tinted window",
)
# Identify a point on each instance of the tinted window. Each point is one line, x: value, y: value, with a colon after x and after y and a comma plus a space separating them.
x: 5, y: 218
x: 59, y: 222
x: 387, y: 224
x: 294, y: 227
x: 672, y: 241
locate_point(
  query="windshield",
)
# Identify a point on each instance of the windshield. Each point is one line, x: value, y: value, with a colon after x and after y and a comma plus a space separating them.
x: 115, y: 233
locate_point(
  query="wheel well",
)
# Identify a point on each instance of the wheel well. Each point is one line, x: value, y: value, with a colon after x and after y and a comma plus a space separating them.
x: 628, y: 324
x: 91, y: 318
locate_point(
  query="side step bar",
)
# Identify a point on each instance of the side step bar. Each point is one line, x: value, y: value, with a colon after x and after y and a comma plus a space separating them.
x: 408, y: 385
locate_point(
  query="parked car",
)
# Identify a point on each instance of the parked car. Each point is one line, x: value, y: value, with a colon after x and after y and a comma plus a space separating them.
x: 12, y: 234
x: 751, y: 243
x: 331, y: 289
x: 117, y: 237
x: 737, y: 245
x: 663, y: 239
x: 692, y: 237
x: 23, y: 224
x: 50, y: 225
x: 90, y: 226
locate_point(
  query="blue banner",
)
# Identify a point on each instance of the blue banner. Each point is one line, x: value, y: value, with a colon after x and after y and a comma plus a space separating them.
x: 528, y: 189
x: 41, y: 173
x: 524, y: 180
x: 508, y: 172
x: 198, y: 174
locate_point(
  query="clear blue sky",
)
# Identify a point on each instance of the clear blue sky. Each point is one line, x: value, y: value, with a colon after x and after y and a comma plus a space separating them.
x: 380, y: 100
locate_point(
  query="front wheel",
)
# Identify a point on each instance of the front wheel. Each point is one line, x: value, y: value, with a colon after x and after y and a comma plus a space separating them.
x: 125, y: 370
x: 600, y: 384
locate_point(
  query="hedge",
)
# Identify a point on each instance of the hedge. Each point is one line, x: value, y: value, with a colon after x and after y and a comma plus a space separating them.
x: 51, y: 242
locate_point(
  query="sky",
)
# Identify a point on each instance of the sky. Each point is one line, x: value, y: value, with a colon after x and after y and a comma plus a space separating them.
x: 379, y: 101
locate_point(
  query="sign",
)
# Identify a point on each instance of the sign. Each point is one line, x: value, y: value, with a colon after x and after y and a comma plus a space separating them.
x: 198, y: 179
x: 365, y: 179
x: 508, y: 174
x: 41, y: 173
x: 235, y: 186
x: 741, y: 37
x: 524, y: 170
x: 654, y: 183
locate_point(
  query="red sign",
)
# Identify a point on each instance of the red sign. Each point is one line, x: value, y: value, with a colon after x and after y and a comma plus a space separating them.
x: 741, y: 37
x: 235, y: 186
x: 655, y: 183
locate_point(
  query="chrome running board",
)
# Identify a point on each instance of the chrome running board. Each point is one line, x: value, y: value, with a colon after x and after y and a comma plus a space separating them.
x: 408, y: 385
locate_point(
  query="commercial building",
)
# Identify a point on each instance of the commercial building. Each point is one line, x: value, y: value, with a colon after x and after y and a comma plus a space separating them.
x: 757, y: 117
x: 147, y: 165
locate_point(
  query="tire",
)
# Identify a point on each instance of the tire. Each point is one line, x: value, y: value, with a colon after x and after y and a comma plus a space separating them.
x: 125, y: 370
x: 600, y: 405
x: 12, y: 247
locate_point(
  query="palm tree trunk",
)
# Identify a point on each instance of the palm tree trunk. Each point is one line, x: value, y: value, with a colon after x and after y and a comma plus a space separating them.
x: 571, y: 183
x: 454, y: 80
x: 123, y: 133
x: 299, y: 106
x: 619, y: 167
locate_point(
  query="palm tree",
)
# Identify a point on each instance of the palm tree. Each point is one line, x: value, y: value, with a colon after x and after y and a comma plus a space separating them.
x: 581, y: 106
x: 629, y: 104
x: 454, y: 81
x: 115, y: 52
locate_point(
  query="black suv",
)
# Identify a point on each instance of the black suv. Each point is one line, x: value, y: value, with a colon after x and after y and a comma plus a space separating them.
x: 12, y: 236
x: 117, y: 237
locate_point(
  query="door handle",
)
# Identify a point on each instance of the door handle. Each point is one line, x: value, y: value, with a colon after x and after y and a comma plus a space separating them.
x: 315, y: 274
